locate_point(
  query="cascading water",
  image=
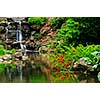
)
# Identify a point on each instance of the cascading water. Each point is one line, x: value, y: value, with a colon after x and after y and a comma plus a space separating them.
x: 19, y: 39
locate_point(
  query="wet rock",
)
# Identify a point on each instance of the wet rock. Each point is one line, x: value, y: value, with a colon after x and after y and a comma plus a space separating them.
x: 5, y: 61
x: 24, y: 57
x: 18, y: 54
x: 43, y: 49
x: 82, y: 61
x: 35, y: 27
x: 8, y: 55
x: 33, y: 32
x: 3, y: 19
x: 75, y: 65
x: 1, y: 60
x: 1, y: 28
x: 17, y: 18
x: 10, y: 61
x: 5, y: 58
x: 16, y: 59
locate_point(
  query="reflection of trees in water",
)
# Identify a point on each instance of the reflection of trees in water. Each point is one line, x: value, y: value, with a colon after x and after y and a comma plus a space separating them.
x: 34, y: 65
x: 20, y: 72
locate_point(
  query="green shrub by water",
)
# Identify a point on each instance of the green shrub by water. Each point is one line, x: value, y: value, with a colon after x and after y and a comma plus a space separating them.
x: 3, y: 51
x: 4, y: 65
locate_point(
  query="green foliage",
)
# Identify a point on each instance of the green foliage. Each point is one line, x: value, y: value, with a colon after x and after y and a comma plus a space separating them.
x: 4, y: 51
x: 69, y: 32
x: 80, y: 30
x: 37, y: 20
x: 2, y: 43
x: 36, y: 35
x: 98, y: 76
x: 89, y: 28
x: 57, y: 21
x: 75, y: 53
x: 4, y: 65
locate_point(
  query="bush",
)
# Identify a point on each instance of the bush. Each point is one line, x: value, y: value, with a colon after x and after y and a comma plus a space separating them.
x: 3, y: 66
x: 3, y: 51
x: 80, y: 30
x: 75, y: 53
x: 37, y: 20
x: 56, y: 22
x: 69, y: 33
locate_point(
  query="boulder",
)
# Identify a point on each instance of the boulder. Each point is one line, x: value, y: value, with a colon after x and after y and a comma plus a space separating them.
x: 1, y: 60
x: 18, y: 54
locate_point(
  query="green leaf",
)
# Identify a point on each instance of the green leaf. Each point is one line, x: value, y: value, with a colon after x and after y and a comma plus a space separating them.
x: 95, y: 66
x: 98, y: 76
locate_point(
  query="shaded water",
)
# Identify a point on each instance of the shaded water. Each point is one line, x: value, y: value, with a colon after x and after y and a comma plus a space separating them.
x: 23, y: 72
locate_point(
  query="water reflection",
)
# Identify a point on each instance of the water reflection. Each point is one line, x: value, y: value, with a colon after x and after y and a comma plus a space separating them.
x: 24, y: 71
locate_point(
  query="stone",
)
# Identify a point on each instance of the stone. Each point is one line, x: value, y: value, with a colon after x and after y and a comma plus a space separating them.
x: 5, y: 61
x: 1, y: 28
x: 5, y: 57
x: 9, y: 62
x: 82, y: 61
x: 24, y: 57
x: 8, y: 55
x: 18, y: 54
x: 1, y: 60
x: 43, y: 49
x: 75, y: 65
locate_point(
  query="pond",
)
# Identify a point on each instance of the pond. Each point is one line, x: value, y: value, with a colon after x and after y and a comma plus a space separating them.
x: 22, y: 71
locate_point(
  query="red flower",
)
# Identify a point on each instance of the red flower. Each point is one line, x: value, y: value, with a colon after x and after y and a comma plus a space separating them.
x: 67, y: 63
x: 62, y: 56
x: 67, y: 75
x: 62, y: 77
x: 60, y: 60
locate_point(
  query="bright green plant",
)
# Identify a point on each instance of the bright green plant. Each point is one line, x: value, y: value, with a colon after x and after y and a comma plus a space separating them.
x: 69, y: 33
x: 37, y: 20
x: 3, y: 51
x: 4, y: 65
x: 36, y: 35
x: 98, y: 76
x: 94, y: 62
x: 80, y: 30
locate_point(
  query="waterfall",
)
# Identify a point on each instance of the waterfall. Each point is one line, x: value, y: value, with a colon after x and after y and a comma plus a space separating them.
x: 19, y: 38
x: 7, y: 30
x: 21, y: 73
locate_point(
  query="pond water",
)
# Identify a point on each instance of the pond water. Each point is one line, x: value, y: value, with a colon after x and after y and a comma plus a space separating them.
x: 23, y: 71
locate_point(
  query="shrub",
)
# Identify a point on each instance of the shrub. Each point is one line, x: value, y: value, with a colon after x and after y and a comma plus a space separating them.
x: 56, y: 22
x: 3, y: 51
x: 3, y: 66
x: 80, y: 30
x: 37, y: 20
x: 69, y: 33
